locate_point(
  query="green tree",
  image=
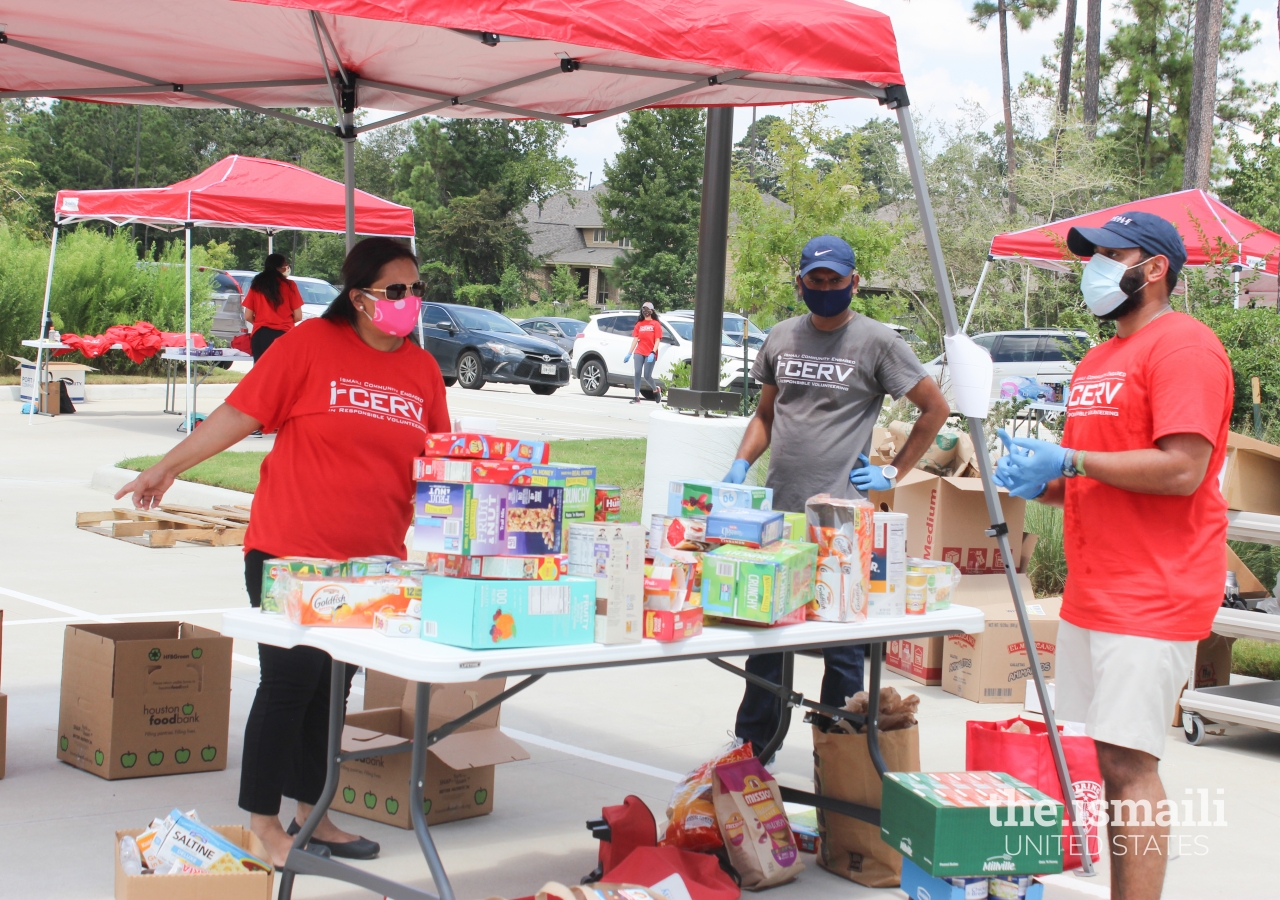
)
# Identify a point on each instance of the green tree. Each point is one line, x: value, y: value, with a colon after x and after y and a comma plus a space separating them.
x: 653, y: 196
x: 563, y: 287
x: 478, y: 240
x: 21, y: 188
x: 1254, y: 189
x: 753, y: 155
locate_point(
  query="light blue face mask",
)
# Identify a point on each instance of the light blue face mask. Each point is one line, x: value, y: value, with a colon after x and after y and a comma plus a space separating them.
x: 1100, y: 283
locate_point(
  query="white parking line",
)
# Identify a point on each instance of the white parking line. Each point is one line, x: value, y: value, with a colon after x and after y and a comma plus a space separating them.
x: 616, y: 761
x: 165, y: 614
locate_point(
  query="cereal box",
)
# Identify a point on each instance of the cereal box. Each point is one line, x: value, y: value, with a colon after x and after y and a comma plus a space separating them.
x: 467, y: 471
x: 487, y: 446
x: 843, y: 531
x: 488, y: 519
x: 579, y: 484
x: 749, y: 527
x: 699, y: 498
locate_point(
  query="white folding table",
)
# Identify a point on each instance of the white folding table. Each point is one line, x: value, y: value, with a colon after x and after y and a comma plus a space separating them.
x: 174, y: 356
x: 426, y: 663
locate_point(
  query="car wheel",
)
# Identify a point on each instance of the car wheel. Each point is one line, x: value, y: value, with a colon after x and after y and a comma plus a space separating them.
x: 471, y: 371
x: 544, y: 390
x: 450, y: 380
x: 593, y: 378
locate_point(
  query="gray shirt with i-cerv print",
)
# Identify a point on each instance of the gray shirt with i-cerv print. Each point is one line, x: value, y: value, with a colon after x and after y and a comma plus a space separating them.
x: 831, y: 387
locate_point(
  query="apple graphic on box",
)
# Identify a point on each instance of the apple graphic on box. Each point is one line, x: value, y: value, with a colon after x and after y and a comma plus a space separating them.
x: 393, y: 805
x: 98, y: 757
x: 208, y: 753
x: 426, y: 807
x: 62, y: 743
x: 187, y: 709
x: 349, y: 794
x: 196, y: 653
x: 370, y: 800
x: 181, y: 755
x: 128, y: 759
x: 481, y: 796
x: 155, y: 757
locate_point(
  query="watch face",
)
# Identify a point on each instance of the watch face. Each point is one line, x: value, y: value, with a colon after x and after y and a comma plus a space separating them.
x: 889, y: 471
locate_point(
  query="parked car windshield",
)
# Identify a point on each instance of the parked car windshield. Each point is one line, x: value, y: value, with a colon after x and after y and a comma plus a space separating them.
x: 476, y: 319
x: 316, y: 292
x: 572, y: 329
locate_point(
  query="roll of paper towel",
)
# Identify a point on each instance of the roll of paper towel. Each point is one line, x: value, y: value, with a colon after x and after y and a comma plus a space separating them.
x: 686, y: 446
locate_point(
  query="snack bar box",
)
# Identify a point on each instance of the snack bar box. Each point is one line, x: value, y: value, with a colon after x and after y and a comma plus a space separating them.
x: 971, y: 823
x: 579, y: 485
x: 484, y: 615
x: 761, y: 586
x: 699, y: 498
x: 749, y: 527
x: 488, y: 519
x: 487, y: 446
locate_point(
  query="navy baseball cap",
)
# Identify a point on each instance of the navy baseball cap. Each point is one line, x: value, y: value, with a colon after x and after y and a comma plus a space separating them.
x: 1132, y: 229
x: 827, y: 252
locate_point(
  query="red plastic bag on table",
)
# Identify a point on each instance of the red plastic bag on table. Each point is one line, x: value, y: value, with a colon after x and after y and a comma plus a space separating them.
x: 242, y: 342
x: 991, y: 747
x: 691, y: 814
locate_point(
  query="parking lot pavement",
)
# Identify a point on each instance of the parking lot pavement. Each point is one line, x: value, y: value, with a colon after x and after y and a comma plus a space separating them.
x: 568, y: 413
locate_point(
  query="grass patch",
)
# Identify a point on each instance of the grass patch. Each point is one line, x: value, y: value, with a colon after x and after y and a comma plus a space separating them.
x: 1257, y: 658
x: 1048, y: 563
x: 218, y: 376
x: 618, y: 461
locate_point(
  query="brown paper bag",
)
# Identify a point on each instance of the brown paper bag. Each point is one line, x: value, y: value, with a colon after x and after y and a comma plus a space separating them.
x: 842, y: 769
x: 754, y: 825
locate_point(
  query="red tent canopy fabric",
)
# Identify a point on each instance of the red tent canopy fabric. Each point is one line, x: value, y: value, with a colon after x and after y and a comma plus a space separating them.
x: 1207, y: 225
x: 241, y: 192
x: 431, y: 55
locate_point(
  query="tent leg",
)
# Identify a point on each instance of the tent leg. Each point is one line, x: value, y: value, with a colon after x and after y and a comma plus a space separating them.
x: 976, y: 291
x: 43, y: 333
x: 999, y: 528
x: 713, y: 236
x: 349, y: 175
x: 270, y: 243
x: 190, y: 393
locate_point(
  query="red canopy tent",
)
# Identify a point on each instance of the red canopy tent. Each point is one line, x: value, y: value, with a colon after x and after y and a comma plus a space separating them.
x: 1214, y: 233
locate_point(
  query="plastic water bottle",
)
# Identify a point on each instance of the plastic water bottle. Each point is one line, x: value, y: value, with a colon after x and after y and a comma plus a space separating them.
x: 130, y: 857
x: 55, y: 336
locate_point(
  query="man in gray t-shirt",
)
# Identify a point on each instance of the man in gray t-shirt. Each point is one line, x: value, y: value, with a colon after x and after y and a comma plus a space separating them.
x: 824, y: 378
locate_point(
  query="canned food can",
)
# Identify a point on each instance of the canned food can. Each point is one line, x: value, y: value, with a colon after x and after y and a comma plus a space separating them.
x: 364, y: 566
x: 974, y: 888
x: 1009, y: 887
x: 608, y: 503
x: 404, y: 569
x: 917, y: 593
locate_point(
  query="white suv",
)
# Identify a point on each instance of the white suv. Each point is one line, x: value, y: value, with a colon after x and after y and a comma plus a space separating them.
x: 1044, y: 356
x: 599, y: 349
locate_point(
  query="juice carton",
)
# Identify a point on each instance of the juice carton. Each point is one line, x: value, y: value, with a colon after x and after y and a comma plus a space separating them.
x: 749, y: 527
x: 273, y: 569
x: 760, y: 586
x: 699, y: 498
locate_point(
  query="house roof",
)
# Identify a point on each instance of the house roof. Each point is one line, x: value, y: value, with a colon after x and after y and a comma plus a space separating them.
x: 603, y: 257
x: 555, y: 230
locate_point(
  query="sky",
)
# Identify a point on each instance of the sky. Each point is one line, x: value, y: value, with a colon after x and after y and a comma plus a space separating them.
x: 948, y: 63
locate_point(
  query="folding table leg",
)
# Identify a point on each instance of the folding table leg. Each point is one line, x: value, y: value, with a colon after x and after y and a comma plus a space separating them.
x: 874, y: 654
x: 784, y: 718
x: 417, y: 779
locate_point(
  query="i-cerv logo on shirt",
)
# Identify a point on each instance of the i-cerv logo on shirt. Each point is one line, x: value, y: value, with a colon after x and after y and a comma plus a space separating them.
x: 347, y: 395
x: 822, y: 370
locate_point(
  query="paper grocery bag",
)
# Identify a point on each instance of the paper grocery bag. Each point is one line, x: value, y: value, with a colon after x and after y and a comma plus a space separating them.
x: 842, y: 769
x: 754, y: 825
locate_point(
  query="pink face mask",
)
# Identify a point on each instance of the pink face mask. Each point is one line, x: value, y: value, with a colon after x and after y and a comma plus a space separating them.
x: 397, y: 318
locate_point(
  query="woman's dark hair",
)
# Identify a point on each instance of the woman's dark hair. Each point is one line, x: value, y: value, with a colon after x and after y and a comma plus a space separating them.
x: 267, y: 282
x: 360, y: 270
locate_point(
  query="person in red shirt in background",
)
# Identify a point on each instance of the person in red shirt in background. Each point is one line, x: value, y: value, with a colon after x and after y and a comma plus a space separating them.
x: 644, y: 347
x: 273, y: 305
x: 1144, y: 522
x: 352, y: 402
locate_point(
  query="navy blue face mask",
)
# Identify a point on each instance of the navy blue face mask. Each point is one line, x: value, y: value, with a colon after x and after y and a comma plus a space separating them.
x: 827, y: 303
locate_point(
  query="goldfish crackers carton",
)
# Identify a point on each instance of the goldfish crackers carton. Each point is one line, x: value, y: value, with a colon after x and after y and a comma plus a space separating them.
x: 753, y: 823
x: 345, y: 602
x: 842, y: 529
x: 274, y: 569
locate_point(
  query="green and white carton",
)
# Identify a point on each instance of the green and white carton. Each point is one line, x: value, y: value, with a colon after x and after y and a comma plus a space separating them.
x: 758, y: 585
x: 967, y: 824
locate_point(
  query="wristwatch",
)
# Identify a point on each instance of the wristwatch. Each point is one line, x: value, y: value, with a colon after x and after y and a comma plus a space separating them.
x: 891, y: 473
x: 1069, y: 469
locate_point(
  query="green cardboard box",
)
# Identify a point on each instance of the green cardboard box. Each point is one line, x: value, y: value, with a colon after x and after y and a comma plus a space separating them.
x: 758, y: 585
x: 971, y: 823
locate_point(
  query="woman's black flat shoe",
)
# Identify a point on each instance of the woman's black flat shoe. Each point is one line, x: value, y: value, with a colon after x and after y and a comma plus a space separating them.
x: 313, y: 847
x: 360, y: 848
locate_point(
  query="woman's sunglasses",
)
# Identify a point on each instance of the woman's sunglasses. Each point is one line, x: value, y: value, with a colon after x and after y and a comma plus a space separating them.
x: 398, y: 291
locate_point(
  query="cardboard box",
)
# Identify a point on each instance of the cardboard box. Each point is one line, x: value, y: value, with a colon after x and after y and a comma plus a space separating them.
x: 666, y: 625
x: 990, y: 667
x: 144, y: 698
x: 488, y: 519
x: 460, y: 767
x: 1250, y: 478
x: 209, y: 886
x: 467, y: 471
x: 918, y: 884
x: 748, y: 527
x: 758, y: 586
x: 1250, y: 587
x: 678, y: 532
x: 794, y: 527
x: 699, y: 498
x: 70, y: 373
x: 948, y: 520
x: 579, y: 485
x: 612, y: 555
x: 1212, y: 668
x: 482, y: 615
x: 486, y: 446
x: 942, y: 822
x: 507, y: 568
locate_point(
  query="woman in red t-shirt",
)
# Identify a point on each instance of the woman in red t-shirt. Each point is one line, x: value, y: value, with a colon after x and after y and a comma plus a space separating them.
x: 273, y: 305
x: 644, y: 347
x: 351, y: 401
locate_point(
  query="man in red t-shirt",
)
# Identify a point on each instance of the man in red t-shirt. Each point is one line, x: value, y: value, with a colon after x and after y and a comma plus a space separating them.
x: 1144, y: 523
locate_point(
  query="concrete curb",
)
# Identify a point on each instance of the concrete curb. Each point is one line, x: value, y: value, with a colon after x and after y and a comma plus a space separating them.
x: 110, y: 479
x: 134, y: 391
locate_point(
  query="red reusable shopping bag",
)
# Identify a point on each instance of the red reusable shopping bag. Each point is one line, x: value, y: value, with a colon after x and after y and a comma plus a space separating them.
x: 989, y: 747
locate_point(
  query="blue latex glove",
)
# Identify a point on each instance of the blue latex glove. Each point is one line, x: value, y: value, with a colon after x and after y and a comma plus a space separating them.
x: 1030, y: 465
x: 651, y: 357
x: 626, y: 359
x: 868, y: 477
x: 737, y: 472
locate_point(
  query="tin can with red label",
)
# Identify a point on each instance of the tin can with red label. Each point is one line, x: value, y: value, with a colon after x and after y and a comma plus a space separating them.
x: 608, y: 503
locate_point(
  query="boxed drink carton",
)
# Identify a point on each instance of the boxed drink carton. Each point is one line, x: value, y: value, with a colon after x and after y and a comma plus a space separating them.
x: 678, y: 533
x: 748, y: 527
x: 486, y: 446
x: 484, y: 615
x: 249, y: 884
x: 699, y: 498
x: 971, y: 823
x: 460, y: 767
x: 467, y: 471
x: 991, y: 667
x: 508, y: 568
x: 760, y: 586
x: 579, y: 485
x: 1250, y: 479
x: 612, y: 555
x: 144, y: 698
x: 488, y: 519
x: 947, y: 520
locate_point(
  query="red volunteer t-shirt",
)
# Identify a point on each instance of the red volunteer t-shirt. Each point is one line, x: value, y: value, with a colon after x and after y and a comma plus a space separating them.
x: 267, y: 316
x: 1144, y: 564
x: 647, y: 332
x: 350, y: 420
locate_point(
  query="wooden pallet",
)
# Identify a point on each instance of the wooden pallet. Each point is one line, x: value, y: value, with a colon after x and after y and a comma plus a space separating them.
x: 221, y: 526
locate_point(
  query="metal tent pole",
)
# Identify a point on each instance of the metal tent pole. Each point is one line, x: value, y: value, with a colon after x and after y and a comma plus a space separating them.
x: 42, y: 333
x: 976, y: 291
x: 190, y: 389
x: 270, y: 242
x: 999, y: 528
